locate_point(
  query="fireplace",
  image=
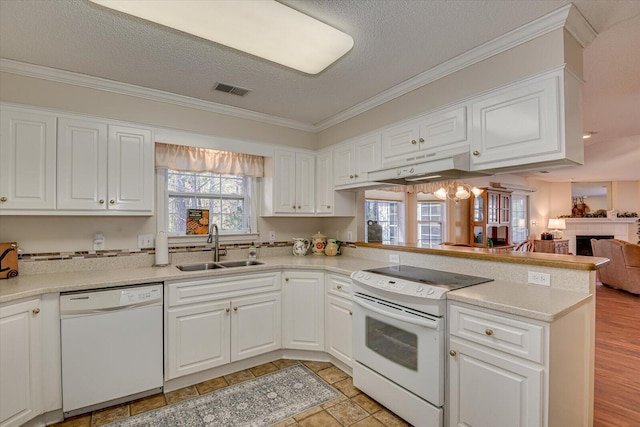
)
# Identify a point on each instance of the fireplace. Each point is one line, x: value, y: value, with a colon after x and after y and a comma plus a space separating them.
x: 583, y: 244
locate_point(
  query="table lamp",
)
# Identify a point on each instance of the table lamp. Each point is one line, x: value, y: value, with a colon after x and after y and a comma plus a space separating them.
x: 557, y: 224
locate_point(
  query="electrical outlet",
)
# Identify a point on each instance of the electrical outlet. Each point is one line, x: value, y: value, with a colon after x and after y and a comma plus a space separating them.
x: 145, y: 241
x: 536, y: 278
x: 349, y: 236
x: 98, y: 242
x: 272, y: 236
x: 395, y: 258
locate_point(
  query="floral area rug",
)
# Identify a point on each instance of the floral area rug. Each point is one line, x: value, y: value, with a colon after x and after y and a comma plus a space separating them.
x: 263, y: 401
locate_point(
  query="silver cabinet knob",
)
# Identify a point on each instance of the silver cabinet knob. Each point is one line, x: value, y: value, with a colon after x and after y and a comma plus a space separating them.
x: 228, y: 309
x: 328, y: 206
x: 299, y: 207
x: 356, y: 175
x: 112, y: 201
x: 414, y: 142
x: 421, y: 140
x: 3, y: 199
x: 101, y: 201
x: 35, y: 310
x: 476, y: 153
x: 339, y: 287
x: 488, y: 332
x: 452, y: 353
x: 235, y: 308
x: 351, y: 176
x: 350, y: 313
x: 286, y: 279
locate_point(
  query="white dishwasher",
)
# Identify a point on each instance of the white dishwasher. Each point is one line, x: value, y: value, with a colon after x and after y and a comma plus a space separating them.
x: 112, y: 348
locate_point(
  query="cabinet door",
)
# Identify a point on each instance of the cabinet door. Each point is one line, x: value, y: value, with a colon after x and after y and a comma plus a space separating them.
x: 324, y: 183
x: 197, y: 338
x: 20, y: 386
x: 339, y: 328
x: 304, y: 310
x: 82, y: 165
x: 305, y: 183
x: 256, y: 325
x: 400, y: 144
x: 444, y: 129
x: 284, y: 182
x: 344, y: 160
x: 130, y: 169
x: 505, y: 209
x: 367, y: 157
x: 27, y: 160
x: 488, y: 388
x: 515, y: 126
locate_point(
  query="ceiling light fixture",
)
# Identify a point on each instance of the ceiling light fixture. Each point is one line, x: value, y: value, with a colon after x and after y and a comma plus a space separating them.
x: 263, y: 28
x: 457, y: 191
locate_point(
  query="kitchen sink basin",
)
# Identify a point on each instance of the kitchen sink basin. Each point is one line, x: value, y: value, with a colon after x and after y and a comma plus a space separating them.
x: 198, y: 267
x: 244, y: 263
x: 216, y: 265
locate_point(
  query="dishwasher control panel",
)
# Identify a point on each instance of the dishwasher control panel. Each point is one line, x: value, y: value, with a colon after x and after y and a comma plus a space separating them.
x: 84, y: 303
x: 138, y: 295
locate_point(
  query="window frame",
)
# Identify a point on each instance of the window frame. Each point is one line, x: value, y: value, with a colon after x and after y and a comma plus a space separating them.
x: 400, y: 226
x: 162, y: 204
x: 442, y: 221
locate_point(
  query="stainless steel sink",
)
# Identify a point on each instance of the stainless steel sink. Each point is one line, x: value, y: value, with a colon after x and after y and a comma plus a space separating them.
x: 198, y: 267
x: 215, y: 265
x: 243, y: 263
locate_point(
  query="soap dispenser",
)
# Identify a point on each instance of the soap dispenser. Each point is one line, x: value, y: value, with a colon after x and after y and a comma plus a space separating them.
x: 253, y: 251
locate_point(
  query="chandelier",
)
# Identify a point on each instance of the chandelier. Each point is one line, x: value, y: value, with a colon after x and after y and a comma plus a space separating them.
x: 457, y: 191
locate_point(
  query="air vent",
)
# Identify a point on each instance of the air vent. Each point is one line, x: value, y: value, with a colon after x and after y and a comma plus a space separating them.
x: 235, y: 90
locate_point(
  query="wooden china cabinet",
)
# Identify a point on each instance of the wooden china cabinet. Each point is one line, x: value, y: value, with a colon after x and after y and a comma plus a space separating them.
x: 490, y: 224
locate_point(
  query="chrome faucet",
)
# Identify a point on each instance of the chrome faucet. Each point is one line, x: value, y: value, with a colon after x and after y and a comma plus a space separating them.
x: 216, y: 249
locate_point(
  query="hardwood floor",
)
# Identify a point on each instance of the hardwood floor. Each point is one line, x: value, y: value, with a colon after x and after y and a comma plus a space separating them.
x: 617, y: 359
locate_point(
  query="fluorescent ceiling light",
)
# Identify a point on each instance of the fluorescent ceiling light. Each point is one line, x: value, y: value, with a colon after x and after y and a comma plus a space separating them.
x: 263, y: 28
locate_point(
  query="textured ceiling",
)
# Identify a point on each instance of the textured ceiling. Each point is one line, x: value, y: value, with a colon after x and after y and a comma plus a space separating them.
x: 394, y: 41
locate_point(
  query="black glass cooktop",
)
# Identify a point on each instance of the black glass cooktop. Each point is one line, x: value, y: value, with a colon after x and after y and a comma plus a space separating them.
x: 438, y: 278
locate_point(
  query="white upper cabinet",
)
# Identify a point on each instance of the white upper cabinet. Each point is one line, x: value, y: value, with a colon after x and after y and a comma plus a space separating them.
x: 354, y: 160
x: 70, y: 165
x: 27, y: 160
x: 82, y: 164
x: 426, y: 138
x: 130, y: 169
x: 328, y: 201
x: 536, y: 121
x: 104, y: 167
x: 289, y: 184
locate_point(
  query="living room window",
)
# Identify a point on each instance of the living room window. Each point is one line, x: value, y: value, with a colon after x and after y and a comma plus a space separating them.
x: 430, y: 221
x: 519, y: 218
x: 387, y: 214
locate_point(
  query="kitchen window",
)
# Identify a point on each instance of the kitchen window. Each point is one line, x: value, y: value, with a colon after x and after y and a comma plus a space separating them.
x: 225, y: 196
x: 430, y: 221
x: 220, y: 182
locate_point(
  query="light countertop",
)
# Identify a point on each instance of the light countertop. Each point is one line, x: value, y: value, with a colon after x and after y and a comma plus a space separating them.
x: 531, y: 301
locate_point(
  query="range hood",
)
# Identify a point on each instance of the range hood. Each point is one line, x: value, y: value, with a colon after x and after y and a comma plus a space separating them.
x: 448, y: 168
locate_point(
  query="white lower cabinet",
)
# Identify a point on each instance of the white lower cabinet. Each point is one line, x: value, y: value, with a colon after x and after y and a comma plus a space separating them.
x: 338, y: 318
x: 303, y: 310
x: 505, y: 370
x: 214, y: 321
x: 20, y: 360
x: 492, y: 389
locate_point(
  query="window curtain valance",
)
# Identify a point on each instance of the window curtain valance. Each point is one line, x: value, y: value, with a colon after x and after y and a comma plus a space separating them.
x: 426, y: 188
x: 195, y: 159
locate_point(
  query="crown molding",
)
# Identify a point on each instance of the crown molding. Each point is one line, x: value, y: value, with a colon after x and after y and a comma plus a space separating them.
x: 77, y: 79
x: 534, y: 29
x: 578, y: 26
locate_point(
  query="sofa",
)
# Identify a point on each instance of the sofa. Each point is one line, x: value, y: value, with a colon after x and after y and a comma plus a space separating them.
x: 623, y: 272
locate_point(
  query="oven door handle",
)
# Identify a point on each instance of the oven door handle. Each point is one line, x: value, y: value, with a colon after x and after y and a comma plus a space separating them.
x: 432, y: 324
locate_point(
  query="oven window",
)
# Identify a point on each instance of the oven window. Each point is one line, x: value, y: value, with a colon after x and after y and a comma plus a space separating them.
x: 394, y: 344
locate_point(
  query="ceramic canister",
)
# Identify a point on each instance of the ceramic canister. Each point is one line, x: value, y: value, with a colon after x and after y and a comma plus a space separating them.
x: 333, y: 247
x: 318, y: 243
x: 300, y: 246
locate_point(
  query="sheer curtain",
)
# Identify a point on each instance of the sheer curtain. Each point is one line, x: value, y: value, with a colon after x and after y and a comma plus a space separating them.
x: 195, y: 159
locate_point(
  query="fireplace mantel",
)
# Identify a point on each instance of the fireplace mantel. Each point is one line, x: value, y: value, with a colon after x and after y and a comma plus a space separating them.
x: 620, y: 228
x: 601, y: 220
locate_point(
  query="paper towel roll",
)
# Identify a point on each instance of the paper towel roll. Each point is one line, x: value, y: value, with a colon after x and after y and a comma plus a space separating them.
x: 162, y: 249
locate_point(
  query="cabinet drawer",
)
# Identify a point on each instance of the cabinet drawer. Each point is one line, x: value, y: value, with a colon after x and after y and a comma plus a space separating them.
x: 339, y: 285
x: 508, y: 335
x: 210, y: 288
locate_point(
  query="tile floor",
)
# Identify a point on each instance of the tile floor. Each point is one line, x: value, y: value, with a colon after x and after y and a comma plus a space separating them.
x: 352, y: 408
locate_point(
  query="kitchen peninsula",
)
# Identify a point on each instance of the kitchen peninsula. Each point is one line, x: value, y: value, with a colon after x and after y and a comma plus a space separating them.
x: 560, y: 353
